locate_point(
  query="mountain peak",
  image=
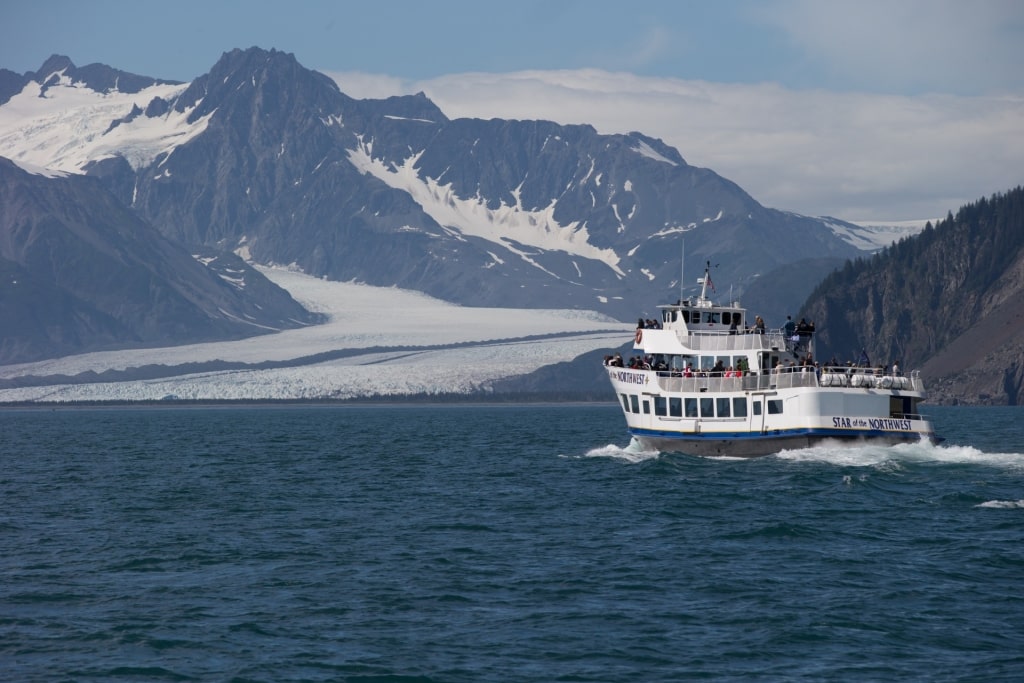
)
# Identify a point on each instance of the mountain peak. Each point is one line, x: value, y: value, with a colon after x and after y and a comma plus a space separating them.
x: 53, y: 64
x: 255, y: 60
x: 240, y: 71
x: 98, y: 77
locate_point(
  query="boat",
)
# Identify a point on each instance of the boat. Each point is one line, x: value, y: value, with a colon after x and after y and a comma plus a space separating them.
x: 706, y: 380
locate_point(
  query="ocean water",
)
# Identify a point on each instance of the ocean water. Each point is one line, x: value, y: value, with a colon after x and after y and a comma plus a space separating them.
x: 498, y: 543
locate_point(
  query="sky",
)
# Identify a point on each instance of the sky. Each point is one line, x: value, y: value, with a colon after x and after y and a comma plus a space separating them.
x: 874, y: 111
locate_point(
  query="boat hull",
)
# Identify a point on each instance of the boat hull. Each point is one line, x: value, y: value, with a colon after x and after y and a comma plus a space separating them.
x: 760, y: 445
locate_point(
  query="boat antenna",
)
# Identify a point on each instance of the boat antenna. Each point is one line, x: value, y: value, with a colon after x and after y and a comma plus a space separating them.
x: 682, y: 270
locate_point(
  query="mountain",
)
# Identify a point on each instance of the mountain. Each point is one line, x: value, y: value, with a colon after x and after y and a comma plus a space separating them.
x: 267, y: 158
x: 949, y: 300
x: 80, y: 272
x: 60, y: 70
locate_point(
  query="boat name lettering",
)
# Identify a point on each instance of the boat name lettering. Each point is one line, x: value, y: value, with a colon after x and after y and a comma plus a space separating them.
x: 884, y: 423
x: 629, y: 377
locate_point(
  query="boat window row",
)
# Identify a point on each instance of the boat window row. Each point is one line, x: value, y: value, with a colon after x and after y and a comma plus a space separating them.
x: 694, y: 407
x: 706, y: 317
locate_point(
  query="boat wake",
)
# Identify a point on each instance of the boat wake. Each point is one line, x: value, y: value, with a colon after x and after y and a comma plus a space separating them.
x: 633, y: 452
x: 878, y: 456
x: 898, y: 455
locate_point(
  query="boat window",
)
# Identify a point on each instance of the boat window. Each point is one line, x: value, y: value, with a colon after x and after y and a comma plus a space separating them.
x: 707, y: 407
x: 757, y: 407
x: 660, y: 407
x: 625, y: 402
x: 635, y: 402
x: 691, y: 407
x: 775, y: 407
x: 739, y: 407
x: 647, y: 408
x: 730, y: 317
x: 711, y: 317
x: 675, y: 406
x: 686, y: 316
x: 722, y: 407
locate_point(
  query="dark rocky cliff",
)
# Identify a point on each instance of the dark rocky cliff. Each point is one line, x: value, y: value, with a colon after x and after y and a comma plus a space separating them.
x: 82, y: 272
x: 949, y: 301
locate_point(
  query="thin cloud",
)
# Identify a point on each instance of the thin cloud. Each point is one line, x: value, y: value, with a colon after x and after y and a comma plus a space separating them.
x: 913, y: 45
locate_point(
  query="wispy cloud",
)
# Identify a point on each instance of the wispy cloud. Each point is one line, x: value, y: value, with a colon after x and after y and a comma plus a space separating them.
x: 910, y: 45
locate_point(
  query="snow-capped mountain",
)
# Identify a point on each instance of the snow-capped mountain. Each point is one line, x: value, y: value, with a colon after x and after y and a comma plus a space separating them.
x: 267, y: 158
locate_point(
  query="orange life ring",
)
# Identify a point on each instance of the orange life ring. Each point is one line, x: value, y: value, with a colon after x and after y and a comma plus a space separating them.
x: 639, y: 336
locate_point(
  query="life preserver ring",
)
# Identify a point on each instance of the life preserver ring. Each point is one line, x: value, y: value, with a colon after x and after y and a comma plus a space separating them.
x: 639, y: 336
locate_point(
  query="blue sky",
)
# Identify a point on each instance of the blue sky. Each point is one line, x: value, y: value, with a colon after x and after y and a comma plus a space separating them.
x: 895, y: 110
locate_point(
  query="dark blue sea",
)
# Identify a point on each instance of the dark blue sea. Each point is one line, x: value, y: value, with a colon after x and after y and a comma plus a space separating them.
x: 498, y: 543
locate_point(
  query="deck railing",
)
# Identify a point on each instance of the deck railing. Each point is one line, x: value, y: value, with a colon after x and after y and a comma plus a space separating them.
x: 724, y: 341
x: 788, y: 378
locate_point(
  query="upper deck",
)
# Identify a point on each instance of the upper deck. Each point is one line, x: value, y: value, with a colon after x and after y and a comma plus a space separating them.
x: 703, y: 333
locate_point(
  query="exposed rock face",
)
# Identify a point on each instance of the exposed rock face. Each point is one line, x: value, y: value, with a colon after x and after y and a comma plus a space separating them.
x: 79, y: 271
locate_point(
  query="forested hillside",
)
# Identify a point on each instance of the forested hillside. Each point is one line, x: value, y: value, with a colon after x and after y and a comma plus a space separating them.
x: 947, y: 301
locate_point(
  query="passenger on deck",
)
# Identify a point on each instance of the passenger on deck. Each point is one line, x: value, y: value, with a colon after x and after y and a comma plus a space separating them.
x: 759, y: 325
x: 804, y: 331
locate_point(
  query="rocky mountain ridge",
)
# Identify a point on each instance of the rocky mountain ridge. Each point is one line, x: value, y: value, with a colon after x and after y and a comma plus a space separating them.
x: 279, y: 162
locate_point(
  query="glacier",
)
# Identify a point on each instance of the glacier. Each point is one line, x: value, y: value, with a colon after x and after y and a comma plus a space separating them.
x: 397, y: 342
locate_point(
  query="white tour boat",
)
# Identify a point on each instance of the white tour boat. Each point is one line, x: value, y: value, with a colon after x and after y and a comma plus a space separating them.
x: 708, y: 381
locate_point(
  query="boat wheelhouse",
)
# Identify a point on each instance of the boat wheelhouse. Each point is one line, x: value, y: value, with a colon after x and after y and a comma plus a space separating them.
x: 707, y: 380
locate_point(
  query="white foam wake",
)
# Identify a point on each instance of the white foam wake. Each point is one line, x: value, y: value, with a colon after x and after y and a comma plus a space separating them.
x: 1003, y: 504
x: 633, y: 452
x: 870, y: 455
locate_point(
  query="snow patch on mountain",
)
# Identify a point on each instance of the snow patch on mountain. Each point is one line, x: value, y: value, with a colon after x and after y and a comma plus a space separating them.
x: 68, y: 125
x: 875, y: 235
x: 646, y: 150
x: 473, y: 217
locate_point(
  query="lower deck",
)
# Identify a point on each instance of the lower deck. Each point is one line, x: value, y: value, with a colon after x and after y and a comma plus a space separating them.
x: 761, y: 414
